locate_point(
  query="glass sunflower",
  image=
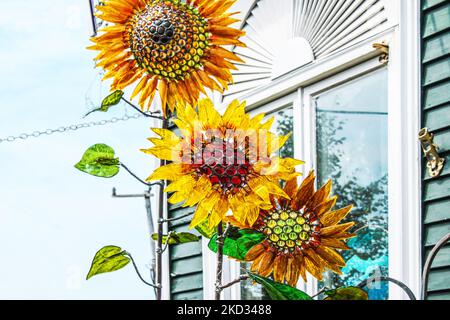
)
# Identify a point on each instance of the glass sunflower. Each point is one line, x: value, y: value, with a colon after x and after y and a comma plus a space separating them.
x: 171, y: 46
x: 222, y: 162
x: 302, y: 234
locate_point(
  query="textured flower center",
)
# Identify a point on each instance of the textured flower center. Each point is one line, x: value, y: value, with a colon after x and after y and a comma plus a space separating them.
x: 224, y: 165
x: 168, y: 39
x: 162, y: 31
x: 288, y: 230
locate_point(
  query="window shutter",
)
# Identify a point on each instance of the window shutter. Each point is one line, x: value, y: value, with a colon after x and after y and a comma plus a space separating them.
x: 186, y: 261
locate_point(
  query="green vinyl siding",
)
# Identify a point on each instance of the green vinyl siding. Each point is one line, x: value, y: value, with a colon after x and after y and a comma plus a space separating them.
x: 431, y: 3
x: 185, y: 260
x: 436, y: 117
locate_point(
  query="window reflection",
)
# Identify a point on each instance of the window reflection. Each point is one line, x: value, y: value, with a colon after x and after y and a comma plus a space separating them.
x: 352, y: 151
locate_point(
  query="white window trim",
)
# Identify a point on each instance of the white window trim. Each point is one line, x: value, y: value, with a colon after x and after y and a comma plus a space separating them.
x: 404, y: 152
x: 405, y: 78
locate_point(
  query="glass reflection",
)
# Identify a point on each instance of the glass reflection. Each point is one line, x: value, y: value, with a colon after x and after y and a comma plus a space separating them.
x: 352, y: 151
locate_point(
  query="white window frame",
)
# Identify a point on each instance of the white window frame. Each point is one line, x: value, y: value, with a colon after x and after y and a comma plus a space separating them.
x: 404, y: 152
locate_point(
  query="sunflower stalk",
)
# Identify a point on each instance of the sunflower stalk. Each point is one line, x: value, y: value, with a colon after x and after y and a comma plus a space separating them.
x: 221, y: 236
x: 159, y: 250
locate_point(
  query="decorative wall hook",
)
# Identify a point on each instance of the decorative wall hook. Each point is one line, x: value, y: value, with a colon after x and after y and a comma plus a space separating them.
x: 435, y: 163
x: 383, y: 47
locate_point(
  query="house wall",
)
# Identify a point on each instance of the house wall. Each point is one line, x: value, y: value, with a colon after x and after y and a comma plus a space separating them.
x: 436, y: 117
x: 186, y: 261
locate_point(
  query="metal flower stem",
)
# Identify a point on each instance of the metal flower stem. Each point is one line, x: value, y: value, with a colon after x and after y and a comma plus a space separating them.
x: 138, y: 273
x: 93, y: 18
x: 221, y: 236
x: 159, y: 249
x: 237, y: 281
x: 219, y: 269
x: 151, y: 227
x: 145, y: 114
x: 161, y: 221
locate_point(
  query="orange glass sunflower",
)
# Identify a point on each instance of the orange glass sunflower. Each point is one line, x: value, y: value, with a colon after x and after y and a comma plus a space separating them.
x: 222, y: 162
x: 302, y: 234
x: 171, y: 46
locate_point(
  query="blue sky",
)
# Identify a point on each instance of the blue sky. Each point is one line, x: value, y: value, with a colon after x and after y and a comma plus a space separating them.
x: 53, y: 218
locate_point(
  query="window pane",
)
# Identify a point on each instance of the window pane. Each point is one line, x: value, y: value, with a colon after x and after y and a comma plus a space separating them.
x: 283, y: 125
x: 352, y: 150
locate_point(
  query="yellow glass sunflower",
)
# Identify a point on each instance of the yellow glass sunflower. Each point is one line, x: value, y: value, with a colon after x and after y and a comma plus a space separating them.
x: 302, y: 234
x: 167, y: 45
x: 222, y: 162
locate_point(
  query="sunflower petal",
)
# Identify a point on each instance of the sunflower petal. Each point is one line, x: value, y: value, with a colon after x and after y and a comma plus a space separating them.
x: 208, y: 114
x: 334, y: 243
x: 330, y: 255
x: 313, y: 268
x: 305, y: 192
x: 267, y: 263
x: 320, y: 196
x: 325, y: 207
x: 336, y: 230
x: 292, y: 272
x: 255, y: 252
x: 204, y: 208
x: 169, y: 172
x: 291, y: 188
x: 334, y: 217
x: 279, y: 269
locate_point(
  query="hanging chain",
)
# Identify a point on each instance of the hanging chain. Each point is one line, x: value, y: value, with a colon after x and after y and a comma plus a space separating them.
x: 74, y: 127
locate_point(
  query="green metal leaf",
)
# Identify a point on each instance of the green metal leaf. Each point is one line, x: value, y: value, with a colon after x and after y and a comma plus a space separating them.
x: 100, y: 161
x: 347, y: 293
x: 108, y: 259
x: 111, y: 100
x: 204, y: 229
x: 178, y: 238
x: 238, y: 242
x: 279, y: 291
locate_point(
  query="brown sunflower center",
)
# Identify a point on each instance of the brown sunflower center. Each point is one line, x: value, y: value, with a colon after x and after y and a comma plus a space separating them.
x: 225, y: 165
x: 288, y: 230
x: 168, y: 38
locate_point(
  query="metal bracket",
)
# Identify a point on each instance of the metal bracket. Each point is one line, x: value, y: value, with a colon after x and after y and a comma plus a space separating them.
x: 147, y: 195
x: 435, y: 163
x: 383, y: 47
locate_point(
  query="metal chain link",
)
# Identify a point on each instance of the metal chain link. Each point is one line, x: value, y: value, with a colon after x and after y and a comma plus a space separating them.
x: 74, y: 127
